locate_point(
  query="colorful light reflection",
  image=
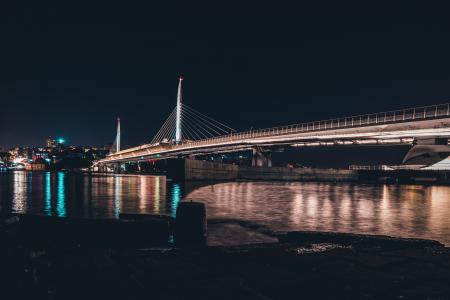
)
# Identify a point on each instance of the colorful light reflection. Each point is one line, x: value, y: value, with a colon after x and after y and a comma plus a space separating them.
x: 48, y: 194
x: 175, y: 198
x: 61, y: 196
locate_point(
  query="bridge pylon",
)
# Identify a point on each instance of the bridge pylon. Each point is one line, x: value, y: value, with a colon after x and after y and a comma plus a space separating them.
x: 178, y: 133
x: 118, y: 136
x: 186, y: 124
x: 115, y: 147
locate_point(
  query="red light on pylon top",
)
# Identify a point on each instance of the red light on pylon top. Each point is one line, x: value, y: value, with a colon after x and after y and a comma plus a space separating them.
x: 181, y: 78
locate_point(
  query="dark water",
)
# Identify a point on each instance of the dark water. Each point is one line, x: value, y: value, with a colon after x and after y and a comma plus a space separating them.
x: 406, y: 210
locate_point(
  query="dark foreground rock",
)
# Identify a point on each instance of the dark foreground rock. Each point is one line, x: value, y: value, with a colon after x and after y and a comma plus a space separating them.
x: 303, y: 266
x: 130, y: 230
x: 357, y: 241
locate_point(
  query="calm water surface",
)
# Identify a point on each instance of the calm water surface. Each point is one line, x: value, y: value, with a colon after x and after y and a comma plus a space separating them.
x: 405, y: 210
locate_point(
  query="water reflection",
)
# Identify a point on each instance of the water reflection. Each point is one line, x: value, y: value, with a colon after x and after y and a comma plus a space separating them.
x: 175, y: 198
x: 117, y: 195
x: 61, y: 196
x: 20, y: 186
x: 407, y: 210
x: 143, y: 192
x: 156, y: 201
x: 48, y: 194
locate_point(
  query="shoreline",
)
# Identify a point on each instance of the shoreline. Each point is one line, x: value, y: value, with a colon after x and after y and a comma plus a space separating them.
x: 40, y: 228
x: 391, y: 177
x: 307, y: 264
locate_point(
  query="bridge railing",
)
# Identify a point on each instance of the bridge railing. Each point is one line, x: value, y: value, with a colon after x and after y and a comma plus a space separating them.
x: 404, y: 115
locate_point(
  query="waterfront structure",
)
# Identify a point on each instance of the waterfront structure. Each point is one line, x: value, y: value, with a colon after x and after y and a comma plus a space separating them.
x: 36, y: 166
x: 188, y: 133
x: 54, y: 158
x: 43, y: 155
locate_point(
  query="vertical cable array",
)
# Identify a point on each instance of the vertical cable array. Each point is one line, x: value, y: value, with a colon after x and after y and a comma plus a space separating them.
x: 193, y: 125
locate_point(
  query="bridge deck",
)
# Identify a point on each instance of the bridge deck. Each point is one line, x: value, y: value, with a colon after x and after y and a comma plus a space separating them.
x: 396, y: 126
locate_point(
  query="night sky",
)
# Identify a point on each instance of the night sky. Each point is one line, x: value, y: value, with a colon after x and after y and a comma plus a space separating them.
x: 70, y: 70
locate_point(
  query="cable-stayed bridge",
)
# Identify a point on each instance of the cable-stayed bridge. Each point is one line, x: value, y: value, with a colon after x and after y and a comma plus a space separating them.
x: 188, y: 132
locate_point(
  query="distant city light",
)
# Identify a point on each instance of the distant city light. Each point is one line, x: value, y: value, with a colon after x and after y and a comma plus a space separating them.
x: 61, y: 140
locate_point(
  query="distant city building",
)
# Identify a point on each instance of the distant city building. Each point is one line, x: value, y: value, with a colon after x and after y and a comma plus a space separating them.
x: 50, y: 142
x: 19, y: 152
x: 36, y: 166
x: 53, y: 143
x: 40, y: 155
x: 54, y: 155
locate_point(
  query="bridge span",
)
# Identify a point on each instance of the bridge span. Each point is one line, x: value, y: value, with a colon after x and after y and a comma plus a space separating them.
x: 408, y: 126
x: 187, y: 133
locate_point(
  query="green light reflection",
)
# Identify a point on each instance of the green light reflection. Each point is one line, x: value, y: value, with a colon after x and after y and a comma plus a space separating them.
x: 48, y: 194
x: 175, y: 199
x: 61, y: 196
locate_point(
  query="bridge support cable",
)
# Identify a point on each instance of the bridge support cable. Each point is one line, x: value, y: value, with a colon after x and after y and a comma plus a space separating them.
x: 166, y: 128
x: 162, y: 131
x: 190, y: 132
x: 222, y: 127
x: 187, y: 124
x: 206, y: 126
x: 193, y: 124
x: 200, y: 134
x: 169, y: 132
x: 205, y: 129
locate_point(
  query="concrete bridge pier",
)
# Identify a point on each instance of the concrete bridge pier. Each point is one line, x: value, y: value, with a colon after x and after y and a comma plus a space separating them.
x: 101, y: 168
x: 181, y: 169
x: 262, y: 158
x: 120, y: 167
x: 197, y: 170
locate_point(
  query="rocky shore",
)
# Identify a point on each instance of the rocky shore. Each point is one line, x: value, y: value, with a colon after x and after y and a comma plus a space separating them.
x: 284, y: 266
